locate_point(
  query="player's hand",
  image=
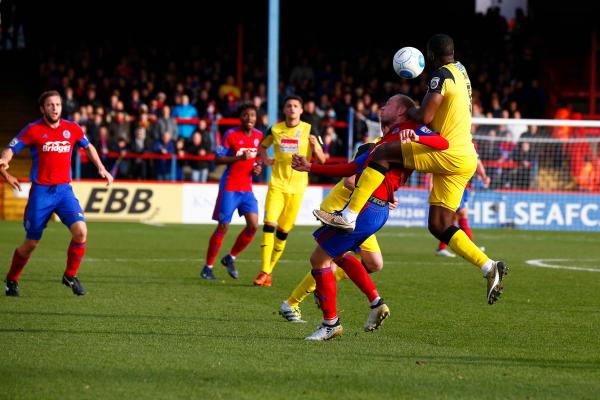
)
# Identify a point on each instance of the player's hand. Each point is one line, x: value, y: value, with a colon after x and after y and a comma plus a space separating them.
x: 106, y: 175
x: 408, y: 135
x: 299, y: 163
x: 268, y: 161
x: 394, y: 204
x: 486, y: 181
x: 14, y: 182
x: 312, y: 140
x: 257, y: 169
x: 11, y: 180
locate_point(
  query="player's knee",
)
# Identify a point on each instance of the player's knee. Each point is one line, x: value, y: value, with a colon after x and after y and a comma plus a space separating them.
x: 268, y: 228
x: 223, y: 228
x: 79, y: 233
x: 374, y: 264
x: 251, y: 228
x: 281, y: 235
x: 436, y: 228
x: 28, y: 247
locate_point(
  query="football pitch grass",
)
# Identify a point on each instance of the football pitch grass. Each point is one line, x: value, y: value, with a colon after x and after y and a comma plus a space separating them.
x: 150, y: 328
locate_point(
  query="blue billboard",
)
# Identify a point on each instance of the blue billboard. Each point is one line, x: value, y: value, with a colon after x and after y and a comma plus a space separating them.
x: 509, y: 209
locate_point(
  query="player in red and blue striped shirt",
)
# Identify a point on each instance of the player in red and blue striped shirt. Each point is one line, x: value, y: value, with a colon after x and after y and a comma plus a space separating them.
x: 239, y: 149
x: 51, y: 141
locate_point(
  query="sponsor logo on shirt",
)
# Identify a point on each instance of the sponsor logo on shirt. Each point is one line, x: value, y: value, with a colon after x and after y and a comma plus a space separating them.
x: 251, y: 150
x: 57, y: 147
x: 289, y: 146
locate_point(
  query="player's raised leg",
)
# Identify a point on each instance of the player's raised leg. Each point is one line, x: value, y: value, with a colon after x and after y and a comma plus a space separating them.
x: 370, y: 179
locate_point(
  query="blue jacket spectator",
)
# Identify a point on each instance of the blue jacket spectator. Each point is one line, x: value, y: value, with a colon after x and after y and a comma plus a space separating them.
x: 185, y: 110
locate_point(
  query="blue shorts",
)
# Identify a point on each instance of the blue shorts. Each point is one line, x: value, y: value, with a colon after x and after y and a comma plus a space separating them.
x: 336, y: 242
x: 45, y: 200
x: 464, y: 200
x: 227, y: 202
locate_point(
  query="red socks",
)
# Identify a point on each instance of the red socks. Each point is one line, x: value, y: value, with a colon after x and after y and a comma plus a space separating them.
x: 214, y: 244
x: 442, y: 246
x: 16, y: 266
x: 243, y: 240
x: 74, y: 256
x: 358, y: 274
x: 463, y: 224
x: 326, y: 292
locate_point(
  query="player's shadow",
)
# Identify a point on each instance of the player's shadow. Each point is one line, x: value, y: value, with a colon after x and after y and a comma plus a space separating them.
x: 134, y: 316
x: 251, y: 336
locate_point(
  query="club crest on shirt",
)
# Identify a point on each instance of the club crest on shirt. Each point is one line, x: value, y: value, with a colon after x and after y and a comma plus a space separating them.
x: 66, y: 134
x: 256, y: 142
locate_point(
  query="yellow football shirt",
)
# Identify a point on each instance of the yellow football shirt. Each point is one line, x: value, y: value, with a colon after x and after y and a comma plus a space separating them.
x: 287, y: 141
x: 453, y: 117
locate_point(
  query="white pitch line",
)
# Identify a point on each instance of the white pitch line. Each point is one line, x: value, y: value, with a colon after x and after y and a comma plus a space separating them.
x: 546, y: 263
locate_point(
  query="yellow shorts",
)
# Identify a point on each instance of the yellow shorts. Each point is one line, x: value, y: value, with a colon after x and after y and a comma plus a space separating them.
x: 336, y: 200
x: 451, y: 171
x: 282, y: 208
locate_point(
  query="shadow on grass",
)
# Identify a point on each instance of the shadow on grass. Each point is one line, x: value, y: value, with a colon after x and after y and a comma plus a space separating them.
x: 253, y: 337
x: 424, y: 361
x: 134, y: 316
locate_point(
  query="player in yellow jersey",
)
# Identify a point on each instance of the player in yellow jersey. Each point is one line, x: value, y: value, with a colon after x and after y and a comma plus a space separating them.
x: 287, y: 186
x: 370, y: 253
x: 446, y: 108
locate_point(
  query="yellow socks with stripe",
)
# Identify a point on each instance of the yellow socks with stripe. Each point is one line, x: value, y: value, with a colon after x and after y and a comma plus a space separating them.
x: 369, y: 180
x: 278, y: 248
x: 304, y: 288
x: 460, y: 243
x: 308, y: 285
x: 266, y: 247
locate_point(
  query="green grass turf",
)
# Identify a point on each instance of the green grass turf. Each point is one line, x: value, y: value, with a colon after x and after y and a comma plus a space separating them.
x: 150, y: 328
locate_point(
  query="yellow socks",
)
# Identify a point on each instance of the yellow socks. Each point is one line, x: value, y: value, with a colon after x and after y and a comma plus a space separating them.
x: 464, y: 247
x: 304, y: 288
x: 369, y: 180
x: 266, y: 248
x: 277, y: 252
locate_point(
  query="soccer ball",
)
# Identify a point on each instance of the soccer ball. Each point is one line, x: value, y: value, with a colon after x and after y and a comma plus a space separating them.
x: 408, y: 62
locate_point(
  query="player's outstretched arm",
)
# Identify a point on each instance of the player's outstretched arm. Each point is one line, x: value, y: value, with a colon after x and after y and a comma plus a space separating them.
x: 12, y: 181
x: 432, y: 139
x: 93, y: 156
x: 299, y: 163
